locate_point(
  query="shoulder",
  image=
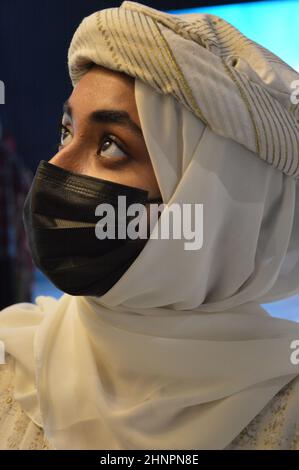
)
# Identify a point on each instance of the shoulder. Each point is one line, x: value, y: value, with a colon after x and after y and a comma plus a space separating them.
x: 276, y: 427
x: 17, y: 431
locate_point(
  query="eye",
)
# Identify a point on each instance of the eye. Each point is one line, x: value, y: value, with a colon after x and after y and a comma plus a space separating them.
x: 114, y: 149
x: 64, y: 134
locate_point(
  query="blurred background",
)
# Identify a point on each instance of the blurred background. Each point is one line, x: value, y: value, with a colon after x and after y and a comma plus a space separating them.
x: 34, y: 40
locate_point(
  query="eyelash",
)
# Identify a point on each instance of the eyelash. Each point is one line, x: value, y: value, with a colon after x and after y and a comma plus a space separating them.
x: 103, y: 139
x: 62, y: 128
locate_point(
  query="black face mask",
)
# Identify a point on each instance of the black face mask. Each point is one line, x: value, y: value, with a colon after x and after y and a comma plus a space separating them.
x: 59, y: 218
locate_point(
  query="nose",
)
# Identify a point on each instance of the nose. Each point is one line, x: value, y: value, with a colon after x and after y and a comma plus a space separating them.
x: 69, y: 159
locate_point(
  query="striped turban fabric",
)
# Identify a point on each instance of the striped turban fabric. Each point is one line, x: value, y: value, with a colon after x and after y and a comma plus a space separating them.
x: 234, y: 85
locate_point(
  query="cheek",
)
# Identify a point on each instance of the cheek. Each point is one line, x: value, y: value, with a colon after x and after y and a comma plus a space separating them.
x: 135, y: 172
x: 146, y: 175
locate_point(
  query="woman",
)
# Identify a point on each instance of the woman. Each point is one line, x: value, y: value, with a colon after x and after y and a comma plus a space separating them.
x: 155, y: 346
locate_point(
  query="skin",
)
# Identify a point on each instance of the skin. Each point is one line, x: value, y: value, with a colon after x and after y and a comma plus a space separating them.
x: 85, y: 148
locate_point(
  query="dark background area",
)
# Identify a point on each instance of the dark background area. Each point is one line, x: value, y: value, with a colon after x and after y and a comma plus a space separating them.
x: 34, y: 39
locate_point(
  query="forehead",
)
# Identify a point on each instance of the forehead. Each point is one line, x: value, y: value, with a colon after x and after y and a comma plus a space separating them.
x: 104, y: 87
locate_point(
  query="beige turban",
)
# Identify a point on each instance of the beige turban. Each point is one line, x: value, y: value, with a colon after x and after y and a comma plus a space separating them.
x: 233, y: 84
x: 179, y: 354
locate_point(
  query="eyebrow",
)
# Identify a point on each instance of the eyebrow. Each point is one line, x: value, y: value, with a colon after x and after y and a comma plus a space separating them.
x: 114, y: 116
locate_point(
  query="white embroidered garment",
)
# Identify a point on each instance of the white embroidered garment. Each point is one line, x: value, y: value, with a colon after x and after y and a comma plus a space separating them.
x: 178, y: 353
x: 17, y: 430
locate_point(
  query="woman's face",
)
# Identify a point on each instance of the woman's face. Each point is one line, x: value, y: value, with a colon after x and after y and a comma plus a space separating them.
x: 96, y: 140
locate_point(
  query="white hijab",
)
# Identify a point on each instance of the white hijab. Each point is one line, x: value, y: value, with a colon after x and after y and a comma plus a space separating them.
x: 178, y: 354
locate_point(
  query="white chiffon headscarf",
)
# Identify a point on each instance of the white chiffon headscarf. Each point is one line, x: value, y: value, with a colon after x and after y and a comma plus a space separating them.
x: 178, y: 354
